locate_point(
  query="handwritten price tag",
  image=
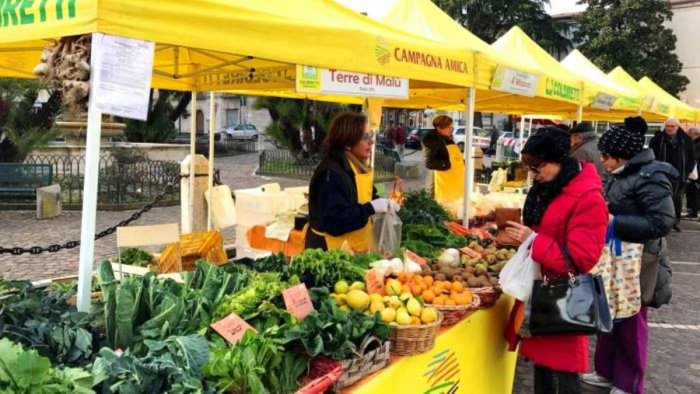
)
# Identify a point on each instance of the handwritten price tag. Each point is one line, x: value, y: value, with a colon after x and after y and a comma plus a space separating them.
x: 232, y: 328
x: 297, y: 301
x: 375, y: 282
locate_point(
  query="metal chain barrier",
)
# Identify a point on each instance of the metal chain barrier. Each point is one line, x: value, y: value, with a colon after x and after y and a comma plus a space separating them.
x: 16, y: 251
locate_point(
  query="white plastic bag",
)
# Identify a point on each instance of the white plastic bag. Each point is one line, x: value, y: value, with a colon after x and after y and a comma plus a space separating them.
x: 520, y: 272
x: 694, y: 174
x: 387, y: 233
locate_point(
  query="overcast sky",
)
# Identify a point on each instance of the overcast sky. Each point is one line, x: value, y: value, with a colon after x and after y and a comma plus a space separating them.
x: 564, y: 6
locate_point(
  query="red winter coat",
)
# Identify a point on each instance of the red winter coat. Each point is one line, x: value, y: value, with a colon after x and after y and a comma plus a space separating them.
x: 579, y: 218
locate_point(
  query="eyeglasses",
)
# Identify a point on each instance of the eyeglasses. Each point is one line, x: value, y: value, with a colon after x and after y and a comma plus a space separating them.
x: 368, y: 137
x: 536, y: 169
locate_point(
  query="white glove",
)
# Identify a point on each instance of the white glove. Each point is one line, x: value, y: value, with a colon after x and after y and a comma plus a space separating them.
x: 383, y: 205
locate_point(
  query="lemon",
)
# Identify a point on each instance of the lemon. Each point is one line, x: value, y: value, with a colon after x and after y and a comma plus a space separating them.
x: 394, y: 302
x: 374, y: 297
x: 429, y: 315
x: 413, y: 307
x: 341, y: 287
x: 376, y: 306
x: 393, y: 287
x: 357, y: 286
x: 358, y: 300
x: 403, y: 318
x: 388, y: 315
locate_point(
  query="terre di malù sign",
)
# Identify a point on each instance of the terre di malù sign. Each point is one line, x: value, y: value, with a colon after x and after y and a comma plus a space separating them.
x: 28, y: 12
x: 603, y: 101
x: 316, y: 80
x: 510, y: 80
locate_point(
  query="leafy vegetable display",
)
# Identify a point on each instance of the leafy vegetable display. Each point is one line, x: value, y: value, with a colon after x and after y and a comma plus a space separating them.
x: 262, y: 287
x: 428, y: 240
x: 25, y: 371
x: 137, y: 257
x: 332, y: 332
x: 257, y: 364
x: 174, y: 365
x: 420, y: 208
x: 317, y: 268
x: 45, y: 322
x: 273, y: 263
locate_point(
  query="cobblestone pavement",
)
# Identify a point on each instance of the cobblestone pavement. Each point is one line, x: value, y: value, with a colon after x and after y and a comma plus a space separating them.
x: 674, y: 354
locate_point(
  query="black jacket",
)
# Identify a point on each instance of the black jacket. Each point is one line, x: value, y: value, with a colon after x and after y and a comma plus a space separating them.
x: 333, y: 206
x: 640, y: 198
x: 435, y: 151
x: 679, y: 154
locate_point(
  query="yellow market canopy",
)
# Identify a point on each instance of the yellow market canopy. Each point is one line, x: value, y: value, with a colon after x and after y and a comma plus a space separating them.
x: 665, y: 103
x: 236, y: 44
x: 648, y: 109
x: 628, y: 100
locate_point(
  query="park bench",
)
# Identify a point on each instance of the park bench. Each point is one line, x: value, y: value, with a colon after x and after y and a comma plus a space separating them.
x: 19, y: 181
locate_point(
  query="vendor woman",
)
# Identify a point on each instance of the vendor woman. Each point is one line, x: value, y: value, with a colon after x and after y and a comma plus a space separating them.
x: 444, y: 157
x: 342, y: 198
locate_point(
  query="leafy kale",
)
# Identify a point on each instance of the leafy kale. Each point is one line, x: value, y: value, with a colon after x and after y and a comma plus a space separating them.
x: 317, y: 268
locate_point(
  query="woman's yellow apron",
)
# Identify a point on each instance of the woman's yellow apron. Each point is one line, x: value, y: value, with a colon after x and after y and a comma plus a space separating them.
x: 361, y: 240
x: 449, y: 184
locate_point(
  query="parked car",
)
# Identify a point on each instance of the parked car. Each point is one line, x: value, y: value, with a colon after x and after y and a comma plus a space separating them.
x: 481, y: 138
x: 243, y: 132
x: 414, y: 138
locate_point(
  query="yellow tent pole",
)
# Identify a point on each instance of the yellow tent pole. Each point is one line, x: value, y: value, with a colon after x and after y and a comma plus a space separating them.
x: 469, y: 171
x: 579, y: 114
x: 373, y: 108
x: 210, y: 184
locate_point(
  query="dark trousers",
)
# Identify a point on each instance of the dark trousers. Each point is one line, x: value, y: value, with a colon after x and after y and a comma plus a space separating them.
x: 678, y: 193
x: 692, y: 194
x: 548, y: 381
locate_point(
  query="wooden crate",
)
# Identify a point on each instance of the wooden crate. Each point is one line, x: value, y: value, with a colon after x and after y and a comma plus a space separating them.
x: 206, y: 245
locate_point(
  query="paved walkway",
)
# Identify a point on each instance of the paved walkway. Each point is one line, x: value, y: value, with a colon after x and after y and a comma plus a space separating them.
x: 674, y: 356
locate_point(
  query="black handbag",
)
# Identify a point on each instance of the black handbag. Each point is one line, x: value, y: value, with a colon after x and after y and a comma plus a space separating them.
x: 575, y: 304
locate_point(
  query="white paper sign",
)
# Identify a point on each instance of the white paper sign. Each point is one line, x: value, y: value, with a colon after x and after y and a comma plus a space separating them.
x: 324, y: 81
x: 514, y: 81
x: 121, y: 75
x: 603, y: 101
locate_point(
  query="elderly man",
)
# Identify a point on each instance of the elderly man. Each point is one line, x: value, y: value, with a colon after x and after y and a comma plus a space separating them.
x: 673, y: 146
x: 584, y: 145
x: 693, y: 192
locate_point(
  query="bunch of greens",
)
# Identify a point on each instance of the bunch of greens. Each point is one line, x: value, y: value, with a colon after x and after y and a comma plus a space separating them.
x: 261, y: 287
x: 420, y: 208
x: 317, y: 268
x: 141, y: 308
x: 136, y: 256
x: 331, y: 332
x: 44, y: 321
x: 363, y: 260
x: 257, y: 364
x: 173, y: 365
x: 273, y: 263
x: 429, y: 240
x: 25, y: 371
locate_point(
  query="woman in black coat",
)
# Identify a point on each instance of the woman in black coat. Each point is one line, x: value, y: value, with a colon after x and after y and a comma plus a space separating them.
x: 639, y: 196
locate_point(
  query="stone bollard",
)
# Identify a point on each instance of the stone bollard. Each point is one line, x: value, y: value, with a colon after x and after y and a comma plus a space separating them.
x: 48, y: 202
x: 200, y: 186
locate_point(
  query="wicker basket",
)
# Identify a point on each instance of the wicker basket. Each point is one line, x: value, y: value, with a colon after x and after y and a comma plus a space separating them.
x: 454, y: 313
x: 368, y: 362
x: 208, y: 245
x: 488, y: 295
x: 410, y: 340
x: 323, y: 373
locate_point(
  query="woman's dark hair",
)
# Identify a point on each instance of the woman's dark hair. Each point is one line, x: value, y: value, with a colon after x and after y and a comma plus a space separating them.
x: 347, y: 129
x: 442, y: 121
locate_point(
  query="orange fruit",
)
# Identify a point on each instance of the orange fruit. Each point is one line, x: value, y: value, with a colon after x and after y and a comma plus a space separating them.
x: 405, y: 289
x: 416, y: 290
x: 468, y: 297
x: 448, y: 286
x: 428, y: 296
x: 429, y: 280
x: 439, y: 300
x: 418, y: 279
x: 453, y: 296
x: 402, y: 277
x: 439, y: 288
x: 415, y: 321
x: 450, y: 303
x: 457, y: 287
x: 461, y: 299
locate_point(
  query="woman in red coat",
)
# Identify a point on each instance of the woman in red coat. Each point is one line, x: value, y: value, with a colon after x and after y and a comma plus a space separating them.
x: 564, y: 207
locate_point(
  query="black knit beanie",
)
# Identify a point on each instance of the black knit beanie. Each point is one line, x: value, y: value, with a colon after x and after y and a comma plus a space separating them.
x: 624, y: 142
x: 550, y: 144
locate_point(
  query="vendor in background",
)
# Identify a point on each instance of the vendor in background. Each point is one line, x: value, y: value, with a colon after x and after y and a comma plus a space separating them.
x: 444, y: 157
x: 342, y: 197
x: 584, y: 145
x: 693, y: 192
x: 565, y: 209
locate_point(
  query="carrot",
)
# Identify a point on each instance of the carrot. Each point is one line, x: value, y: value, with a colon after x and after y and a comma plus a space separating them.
x: 471, y: 253
x: 415, y: 258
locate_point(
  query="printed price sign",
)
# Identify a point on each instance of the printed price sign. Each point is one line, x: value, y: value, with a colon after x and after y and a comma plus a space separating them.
x: 232, y: 328
x: 297, y: 301
x: 375, y: 282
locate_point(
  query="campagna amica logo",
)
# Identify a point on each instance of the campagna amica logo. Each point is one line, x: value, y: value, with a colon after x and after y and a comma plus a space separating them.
x: 381, y: 51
